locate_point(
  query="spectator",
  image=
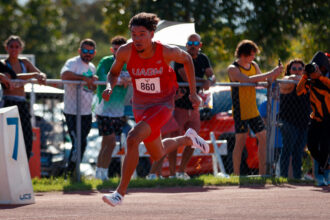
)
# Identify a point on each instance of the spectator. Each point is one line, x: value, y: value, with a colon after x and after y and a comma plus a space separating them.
x: 294, y: 116
x: 79, y: 68
x: 4, y: 80
x: 110, y: 115
x: 317, y: 84
x: 185, y: 115
x: 154, y: 87
x: 22, y: 69
x: 245, y: 110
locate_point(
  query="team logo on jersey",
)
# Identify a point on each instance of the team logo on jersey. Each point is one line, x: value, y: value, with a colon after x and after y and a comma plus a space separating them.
x: 147, y: 72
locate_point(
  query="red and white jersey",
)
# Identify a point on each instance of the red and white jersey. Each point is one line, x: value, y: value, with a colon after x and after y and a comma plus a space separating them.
x: 154, y: 81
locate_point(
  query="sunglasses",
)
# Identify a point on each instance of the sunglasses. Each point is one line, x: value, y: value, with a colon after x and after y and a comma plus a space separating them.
x: 84, y: 50
x: 295, y: 69
x: 195, y: 43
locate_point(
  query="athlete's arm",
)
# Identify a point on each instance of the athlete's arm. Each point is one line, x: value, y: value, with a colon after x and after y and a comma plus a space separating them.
x: 180, y: 56
x: 235, y: 74
x: 121, y: 58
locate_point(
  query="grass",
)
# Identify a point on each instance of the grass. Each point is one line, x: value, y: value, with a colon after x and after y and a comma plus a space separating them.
x: 61, y: 184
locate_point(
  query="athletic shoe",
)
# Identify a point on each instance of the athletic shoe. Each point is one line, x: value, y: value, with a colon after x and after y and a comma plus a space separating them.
x: 182, y: 175
x: 113, y: 199
x: 198, y: 142
x: 151, y: 176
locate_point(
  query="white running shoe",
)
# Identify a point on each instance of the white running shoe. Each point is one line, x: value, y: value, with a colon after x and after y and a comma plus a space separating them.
x: 113, y: 199
x: 182, y: 175
x: 198, y: 142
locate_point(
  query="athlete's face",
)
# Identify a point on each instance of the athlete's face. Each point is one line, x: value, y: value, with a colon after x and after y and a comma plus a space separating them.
x: 141, y: 38
x: 14, y: 48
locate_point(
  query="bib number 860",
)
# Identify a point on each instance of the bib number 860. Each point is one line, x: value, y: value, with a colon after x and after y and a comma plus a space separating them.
x: 148, y: 87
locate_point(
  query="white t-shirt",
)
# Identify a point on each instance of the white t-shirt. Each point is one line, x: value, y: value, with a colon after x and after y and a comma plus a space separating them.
x: 77, y: 66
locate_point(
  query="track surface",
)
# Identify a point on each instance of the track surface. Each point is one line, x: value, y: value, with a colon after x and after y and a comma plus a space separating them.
x: 225, y: 202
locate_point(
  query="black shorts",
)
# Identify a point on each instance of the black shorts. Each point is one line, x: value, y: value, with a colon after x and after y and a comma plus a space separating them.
x: 109, y: 125
x: 256, y: 124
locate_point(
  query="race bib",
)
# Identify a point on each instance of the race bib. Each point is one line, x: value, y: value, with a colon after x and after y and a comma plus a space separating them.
x: 148, y: 85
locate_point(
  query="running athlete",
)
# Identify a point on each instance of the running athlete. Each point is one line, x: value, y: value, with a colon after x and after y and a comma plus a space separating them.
x: 245, y: 110
x: 154, y: 86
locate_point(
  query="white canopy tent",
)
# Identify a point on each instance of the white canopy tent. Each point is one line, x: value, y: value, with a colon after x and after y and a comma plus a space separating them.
x: 173, y: 33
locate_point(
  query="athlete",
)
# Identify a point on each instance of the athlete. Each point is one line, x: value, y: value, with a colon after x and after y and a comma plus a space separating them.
x: 154, y: 86
x: 245, y: 110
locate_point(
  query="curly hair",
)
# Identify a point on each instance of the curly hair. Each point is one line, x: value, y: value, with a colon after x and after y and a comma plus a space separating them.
x: 291, y: 62
x: 147, y: 20
x: 245, y: 47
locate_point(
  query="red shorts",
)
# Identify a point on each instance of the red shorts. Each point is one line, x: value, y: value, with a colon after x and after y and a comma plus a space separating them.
x: 156, y: 117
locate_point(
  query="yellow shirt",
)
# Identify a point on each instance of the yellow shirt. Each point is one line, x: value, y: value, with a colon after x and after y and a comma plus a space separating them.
x: 244, y: 98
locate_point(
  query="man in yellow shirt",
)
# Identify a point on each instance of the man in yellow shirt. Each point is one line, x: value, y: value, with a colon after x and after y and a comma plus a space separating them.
x: 245, y: 110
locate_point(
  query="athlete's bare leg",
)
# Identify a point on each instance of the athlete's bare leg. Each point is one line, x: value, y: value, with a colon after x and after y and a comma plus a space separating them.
x: 135, y: 136
x: 172, y: 162
x: 262, y: 152
x: 107, y: 146
x: 156, y: 148
x: 156, y: 166
x: 186, y: 156
x: 238, y: 150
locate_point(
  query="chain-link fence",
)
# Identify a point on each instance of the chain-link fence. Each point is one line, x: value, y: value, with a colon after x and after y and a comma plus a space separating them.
x: 286, y: 119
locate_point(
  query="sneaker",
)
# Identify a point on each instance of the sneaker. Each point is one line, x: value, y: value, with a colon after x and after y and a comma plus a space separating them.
x: 182, y: 175
x: 113, y: 199
x: 151, y: 176
x: 198, y: 142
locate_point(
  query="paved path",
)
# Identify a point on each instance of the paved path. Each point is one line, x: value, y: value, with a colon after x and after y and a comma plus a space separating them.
x: 225, y: 202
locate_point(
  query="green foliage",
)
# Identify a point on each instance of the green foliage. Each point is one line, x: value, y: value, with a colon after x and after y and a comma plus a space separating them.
x: 60, y: 184
x: 52, y: 29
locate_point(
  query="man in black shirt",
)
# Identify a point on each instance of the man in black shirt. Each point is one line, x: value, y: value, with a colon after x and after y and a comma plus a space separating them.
x: 185, y: 115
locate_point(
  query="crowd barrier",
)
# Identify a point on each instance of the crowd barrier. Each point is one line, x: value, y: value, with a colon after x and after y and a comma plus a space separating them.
x: 217, y: 118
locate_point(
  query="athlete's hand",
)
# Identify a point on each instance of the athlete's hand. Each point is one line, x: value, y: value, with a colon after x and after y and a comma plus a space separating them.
x: 195, y: 99
x: 106, y: 94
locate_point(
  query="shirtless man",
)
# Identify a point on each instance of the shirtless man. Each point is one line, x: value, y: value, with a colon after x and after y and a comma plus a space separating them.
x: 154, y: 86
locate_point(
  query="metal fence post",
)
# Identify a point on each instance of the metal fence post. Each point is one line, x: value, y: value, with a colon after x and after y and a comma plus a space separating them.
x: 78, y: 129
x: 269, y: 146
x: 32, y: 101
